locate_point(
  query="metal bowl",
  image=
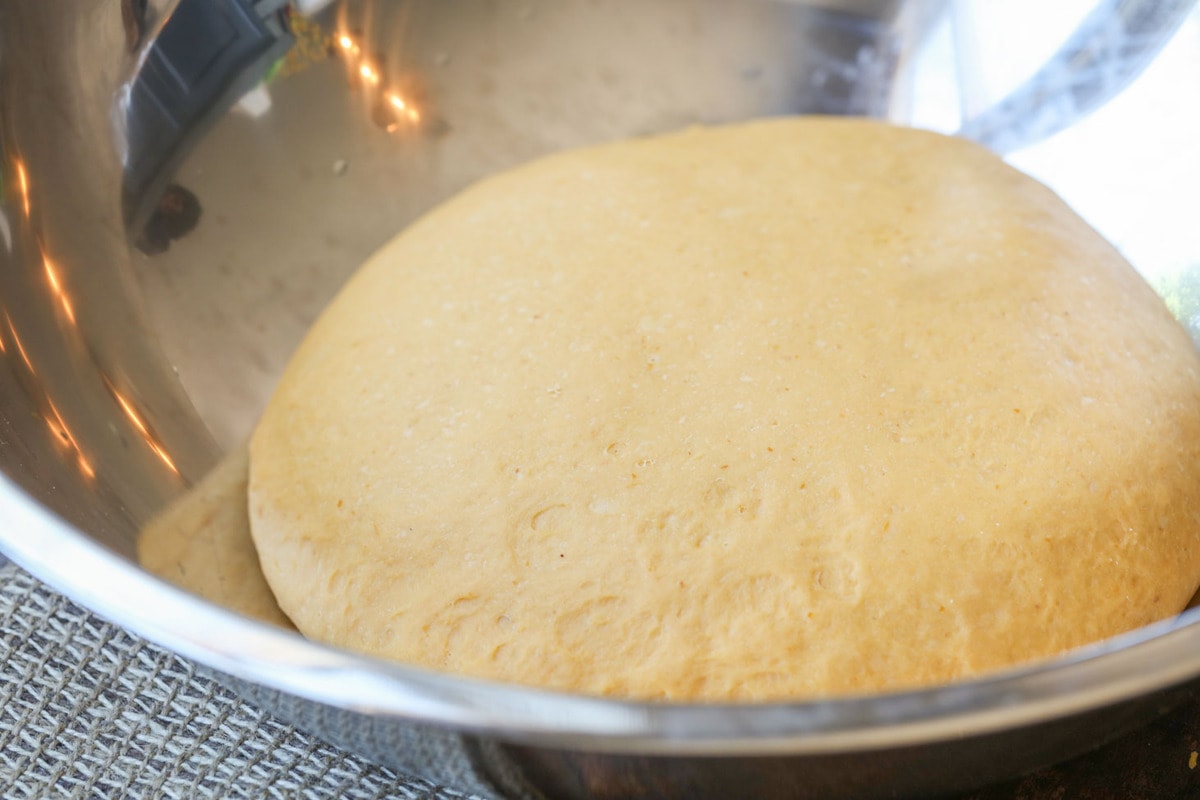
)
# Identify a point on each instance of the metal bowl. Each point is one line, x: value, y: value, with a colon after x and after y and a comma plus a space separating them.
x: 164, y: 252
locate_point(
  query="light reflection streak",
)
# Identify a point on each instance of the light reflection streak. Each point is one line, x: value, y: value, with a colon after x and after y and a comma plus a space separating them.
x: 147, y: 435
x: 17, y: 341
x: 403, y: 108
x: 131, y: 413
x: 162, y: 454
x: 57, y: 286
x: 68, y: 309
x: 23, y: 185
x: 369, y: 74
x: 52, y: 274
x: 53, y: 418
x: 58, y: 427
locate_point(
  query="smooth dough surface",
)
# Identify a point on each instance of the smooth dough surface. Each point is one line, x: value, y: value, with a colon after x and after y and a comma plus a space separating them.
x: 785, y: 409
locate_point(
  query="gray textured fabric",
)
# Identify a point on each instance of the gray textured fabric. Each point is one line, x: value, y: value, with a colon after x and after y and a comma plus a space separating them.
x: 88, y: 710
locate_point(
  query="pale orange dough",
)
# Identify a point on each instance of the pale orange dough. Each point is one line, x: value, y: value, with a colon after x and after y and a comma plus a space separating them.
x: 784, y: 409
x: 201, y: 542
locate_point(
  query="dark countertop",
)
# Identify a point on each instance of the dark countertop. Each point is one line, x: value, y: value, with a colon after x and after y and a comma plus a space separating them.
x: 1156, y: 762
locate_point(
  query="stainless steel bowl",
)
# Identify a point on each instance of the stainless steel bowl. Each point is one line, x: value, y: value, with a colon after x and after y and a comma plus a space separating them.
x: 136, y: 351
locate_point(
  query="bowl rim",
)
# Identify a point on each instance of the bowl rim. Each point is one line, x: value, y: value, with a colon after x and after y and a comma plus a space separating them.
x: 1121, y: 668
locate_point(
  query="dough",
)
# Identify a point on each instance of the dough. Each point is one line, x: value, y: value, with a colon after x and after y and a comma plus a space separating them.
x: 792, y: 408
x: 202, y: 543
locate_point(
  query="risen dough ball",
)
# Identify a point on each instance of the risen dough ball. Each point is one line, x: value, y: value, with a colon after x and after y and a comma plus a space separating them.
x: 791, y: 408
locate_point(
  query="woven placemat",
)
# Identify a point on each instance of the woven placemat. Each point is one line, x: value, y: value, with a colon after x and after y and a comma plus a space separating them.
x: 87, y: 710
